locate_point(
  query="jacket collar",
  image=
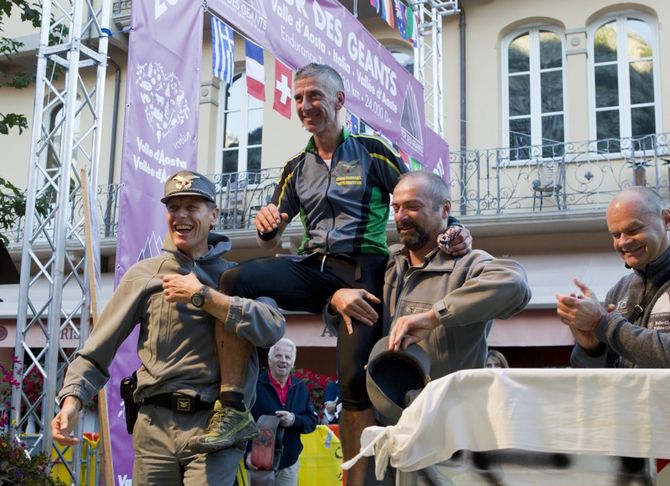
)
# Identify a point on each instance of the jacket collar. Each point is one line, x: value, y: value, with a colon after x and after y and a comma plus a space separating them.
x: 438, y: 260
x: 264, y: 377
x: 311, y: 146
x: 217, y: 242
x: 658, y: 271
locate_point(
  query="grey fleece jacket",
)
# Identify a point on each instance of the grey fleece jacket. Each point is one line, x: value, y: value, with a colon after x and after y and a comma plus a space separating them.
x: 176, y: 343
x: 629, y: 341
x: 466, y: 292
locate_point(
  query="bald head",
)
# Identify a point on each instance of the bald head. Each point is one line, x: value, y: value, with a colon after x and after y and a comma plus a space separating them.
x: 638, y: 221
x: 648, y: 199
x: 433, y: 187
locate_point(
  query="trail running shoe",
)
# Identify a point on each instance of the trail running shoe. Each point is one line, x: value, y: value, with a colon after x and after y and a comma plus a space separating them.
x: 225, y: 427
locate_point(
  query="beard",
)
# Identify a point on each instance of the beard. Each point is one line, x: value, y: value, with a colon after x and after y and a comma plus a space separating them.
x: 414, y: 239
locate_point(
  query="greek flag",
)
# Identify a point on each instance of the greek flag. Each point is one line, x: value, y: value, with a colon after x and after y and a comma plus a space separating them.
x: 223, y: 51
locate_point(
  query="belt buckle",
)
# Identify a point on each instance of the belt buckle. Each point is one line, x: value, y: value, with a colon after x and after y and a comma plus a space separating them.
x: 183, y: 403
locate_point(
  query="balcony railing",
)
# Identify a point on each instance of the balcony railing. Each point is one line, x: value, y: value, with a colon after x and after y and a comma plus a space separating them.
x: 121, y: 11
x: 566, y: 178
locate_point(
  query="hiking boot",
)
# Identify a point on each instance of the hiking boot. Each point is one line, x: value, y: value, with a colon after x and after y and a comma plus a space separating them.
x: 225, y: 427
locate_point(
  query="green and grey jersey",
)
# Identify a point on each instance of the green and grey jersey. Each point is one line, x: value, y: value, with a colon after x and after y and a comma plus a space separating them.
x: 344, y: 208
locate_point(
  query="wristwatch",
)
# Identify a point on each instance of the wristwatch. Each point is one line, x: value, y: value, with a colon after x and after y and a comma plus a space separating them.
x: 198, y: 298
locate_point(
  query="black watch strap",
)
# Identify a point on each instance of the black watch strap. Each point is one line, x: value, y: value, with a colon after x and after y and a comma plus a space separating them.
x: 198, y: 298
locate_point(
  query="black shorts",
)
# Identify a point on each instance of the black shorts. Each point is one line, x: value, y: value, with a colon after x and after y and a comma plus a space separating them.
x: 305, y: 284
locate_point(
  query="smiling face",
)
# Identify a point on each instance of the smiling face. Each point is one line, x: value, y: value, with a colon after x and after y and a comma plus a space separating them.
x: 189, y: 220
x: 281, y: 362
x: 638, y: 229
x: 317, y: 104
x: 416, y: 216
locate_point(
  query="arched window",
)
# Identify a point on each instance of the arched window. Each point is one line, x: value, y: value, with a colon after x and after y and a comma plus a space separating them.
x: 623, y: 72
x: 50, y: 158
x: 533, y: 106
x: 241, y: 119
x: 404, y: 55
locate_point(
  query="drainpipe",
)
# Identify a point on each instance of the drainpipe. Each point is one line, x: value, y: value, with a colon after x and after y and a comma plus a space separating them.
x: 464, y: 125
x: 112, y: 148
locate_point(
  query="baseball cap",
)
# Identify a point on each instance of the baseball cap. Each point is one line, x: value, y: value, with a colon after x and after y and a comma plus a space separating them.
x: 392, y: 375
x: 189, y: 183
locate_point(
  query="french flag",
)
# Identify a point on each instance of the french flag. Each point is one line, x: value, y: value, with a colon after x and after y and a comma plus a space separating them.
x: 255, y: 70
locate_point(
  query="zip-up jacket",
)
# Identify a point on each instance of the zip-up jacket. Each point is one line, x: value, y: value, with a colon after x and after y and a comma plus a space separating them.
x: 641, y: 341
x: 466, y: 292
x: 176, y: 342
x: 344, y: 208
x: 299, y: 403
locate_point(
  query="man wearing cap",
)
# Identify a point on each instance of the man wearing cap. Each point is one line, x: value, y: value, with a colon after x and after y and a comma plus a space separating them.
x: 430, y: 297
x: 178, y: 380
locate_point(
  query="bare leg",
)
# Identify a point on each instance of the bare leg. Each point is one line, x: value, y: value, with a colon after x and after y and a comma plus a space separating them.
x: 233, y: 354
x: 352, y: 423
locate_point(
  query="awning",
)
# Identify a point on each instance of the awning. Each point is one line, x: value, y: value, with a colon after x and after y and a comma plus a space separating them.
x: 531, y: 327
x: 552, y: 273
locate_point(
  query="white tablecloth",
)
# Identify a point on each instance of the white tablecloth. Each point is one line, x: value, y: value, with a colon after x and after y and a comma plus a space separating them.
x: 574, y: 411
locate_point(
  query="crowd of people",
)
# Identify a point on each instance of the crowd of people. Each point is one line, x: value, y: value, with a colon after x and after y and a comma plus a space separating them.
x: 202, y: 318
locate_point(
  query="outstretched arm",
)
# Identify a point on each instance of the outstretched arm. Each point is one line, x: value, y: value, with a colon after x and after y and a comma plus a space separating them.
x: 65, y: 420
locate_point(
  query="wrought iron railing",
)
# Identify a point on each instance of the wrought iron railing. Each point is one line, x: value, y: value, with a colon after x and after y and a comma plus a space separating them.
x: 567, y: 178
x: 121, y: 10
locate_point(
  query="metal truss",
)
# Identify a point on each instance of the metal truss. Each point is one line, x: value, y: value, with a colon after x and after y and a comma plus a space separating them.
x: 428, y: 65
x: 67, y: 119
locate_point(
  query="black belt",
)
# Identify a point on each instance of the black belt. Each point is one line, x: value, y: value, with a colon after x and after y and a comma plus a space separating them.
x: 178, y: 402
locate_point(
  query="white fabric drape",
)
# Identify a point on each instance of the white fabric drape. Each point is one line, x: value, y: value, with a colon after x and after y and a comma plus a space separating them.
x: 612, y: 412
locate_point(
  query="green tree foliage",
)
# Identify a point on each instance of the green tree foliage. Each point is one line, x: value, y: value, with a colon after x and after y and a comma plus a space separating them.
x: 13, y: 206
x: 12, y: 199
x: 8, y: 47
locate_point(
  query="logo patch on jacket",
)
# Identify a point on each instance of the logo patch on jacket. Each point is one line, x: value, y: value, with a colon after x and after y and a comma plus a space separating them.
x: 659, y: 319
x: 348, y: 173
x: 622, y: 306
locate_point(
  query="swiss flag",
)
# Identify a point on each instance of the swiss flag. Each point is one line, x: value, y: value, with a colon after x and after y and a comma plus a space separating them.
x: 283, y: 88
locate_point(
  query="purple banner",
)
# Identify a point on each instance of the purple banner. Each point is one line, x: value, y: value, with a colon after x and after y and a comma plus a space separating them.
x: 436, y: 155
x: 160, y: 138
x: 378, y: 89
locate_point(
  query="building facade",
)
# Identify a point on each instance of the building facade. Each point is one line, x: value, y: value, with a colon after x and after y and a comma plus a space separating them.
x: 549, y: 109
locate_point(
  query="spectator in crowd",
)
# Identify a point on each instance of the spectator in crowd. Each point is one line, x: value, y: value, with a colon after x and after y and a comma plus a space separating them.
x: 174, y: 299
x: 332, y: 405
x: 281, y: 393
x: 495, y: 359
x: 630, y: 330
x: 445, y: 303
x: 340, y: 186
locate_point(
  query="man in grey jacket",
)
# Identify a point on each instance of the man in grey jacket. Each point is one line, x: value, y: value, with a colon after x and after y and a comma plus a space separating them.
x: 181, y: 315
x: 443, y: 302
x: 631, y: 329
